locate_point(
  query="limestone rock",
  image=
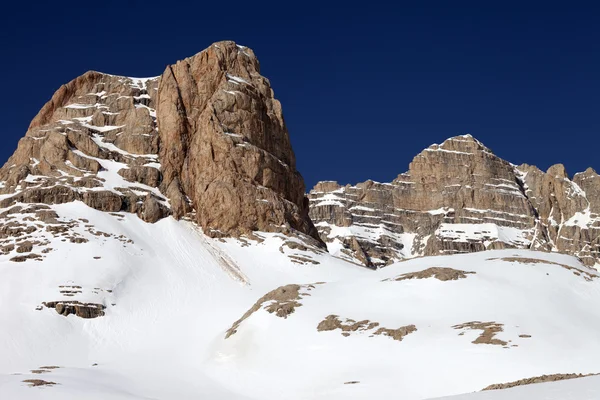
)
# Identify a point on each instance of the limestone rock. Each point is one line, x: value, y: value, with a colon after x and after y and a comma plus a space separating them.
x: 82, y: 310
x: 459, y: 197
x: 224, y: 146
x: 222, y: 154
x: 94, y: 129
x: 146, y: 175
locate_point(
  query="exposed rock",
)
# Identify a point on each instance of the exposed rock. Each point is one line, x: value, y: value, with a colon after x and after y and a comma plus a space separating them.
x: 103, y: 200
x: 225, y: 150
x: 282, y: 302
x: 396, y: 334
x: 147, y: 175
x: 588, y: 275
x: 94, y: 123
x: 489, y: 331
x: 39, y: 382
x: 31, y: 256
x: 537, y: 379
x: 83, y: 310
x: 152, y: 210
x: 225, y: 155
x: 459, y: 197
x: 439, y: 273
x: 333, y: 322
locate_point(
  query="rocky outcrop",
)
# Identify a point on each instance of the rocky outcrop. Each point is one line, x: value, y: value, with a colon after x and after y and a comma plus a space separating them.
x: 282, y: 302
x: 459, y: 197
x: 536, y: 379
x: 95, y: 131
x: 224, y: 146
x: 205, y: 140
x: 82, y: 310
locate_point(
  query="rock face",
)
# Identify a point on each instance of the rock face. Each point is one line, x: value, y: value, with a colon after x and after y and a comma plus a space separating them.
x: 459, y: 197
x: 205, y: 140
x: 224, y: 146
x: 95, y: 141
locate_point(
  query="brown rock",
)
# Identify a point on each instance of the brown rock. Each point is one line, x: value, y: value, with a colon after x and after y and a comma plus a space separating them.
x: 225, y: 146
x: 145, y: 175
x: 152, y: 211
x: 462, y: 182
x: 25, y: 247
x: 282, y: 302
x: 536, y: 379
x: 82, y: 310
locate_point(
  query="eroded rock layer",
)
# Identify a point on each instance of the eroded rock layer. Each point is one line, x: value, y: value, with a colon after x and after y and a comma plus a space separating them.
x: 95, y: 141
x: 459, y: 197
x: 206, y: 140
x: 225, y: 149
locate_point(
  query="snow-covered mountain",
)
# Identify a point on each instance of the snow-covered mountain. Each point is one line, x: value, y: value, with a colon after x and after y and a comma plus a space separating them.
x: 155, y: 243
x: 459, y: 197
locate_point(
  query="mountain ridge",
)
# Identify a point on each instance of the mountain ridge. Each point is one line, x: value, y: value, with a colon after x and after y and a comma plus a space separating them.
x: 457, y: 180
x: 224, y: 150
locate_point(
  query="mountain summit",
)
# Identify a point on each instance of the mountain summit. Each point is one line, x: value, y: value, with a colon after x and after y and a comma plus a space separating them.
x: 459, y: 197
x: 206, y: 140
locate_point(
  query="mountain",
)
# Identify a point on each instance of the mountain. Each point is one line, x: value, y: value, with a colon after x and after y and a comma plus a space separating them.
x: 156, y: 243
x: 458, y: 197
x: 211, y: 120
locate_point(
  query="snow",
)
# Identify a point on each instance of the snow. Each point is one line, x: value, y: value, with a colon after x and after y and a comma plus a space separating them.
x: 435, y: 360
x: 111, y: 147
x: 172, y: 292
x: 140, y: 83
x: 236, y: 79
x: 368, y: 232
x: 81, y: 106
x: 440, y: 211
x: 104, y: 128
x: 582, y: 219
x: 112, y: 180
x: 362, y: 208
x: 329, y: 199
x: 153, y: 165
x: 448, y: 151
x: 488, y: 231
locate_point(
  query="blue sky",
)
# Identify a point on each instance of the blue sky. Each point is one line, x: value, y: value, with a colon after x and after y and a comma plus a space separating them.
x: 364, y: 88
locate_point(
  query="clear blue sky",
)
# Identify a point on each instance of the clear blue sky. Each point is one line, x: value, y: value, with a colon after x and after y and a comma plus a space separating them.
x: 364, y: 88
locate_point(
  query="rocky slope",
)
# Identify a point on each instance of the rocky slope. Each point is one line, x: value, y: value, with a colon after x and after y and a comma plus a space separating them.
x: 205, y: 140
x: 459, y: 197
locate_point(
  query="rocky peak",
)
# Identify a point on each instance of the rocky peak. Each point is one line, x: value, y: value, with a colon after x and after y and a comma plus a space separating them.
x: 225, y: 149
x: 460, y: 197
x: 206, y: 140
x: 95, y: 141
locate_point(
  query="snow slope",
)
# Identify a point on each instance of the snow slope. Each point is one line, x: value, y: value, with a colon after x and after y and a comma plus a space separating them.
x: 546, y: 301
x: 578, y: 389
x: 171, y: 294
x: 168, y: 295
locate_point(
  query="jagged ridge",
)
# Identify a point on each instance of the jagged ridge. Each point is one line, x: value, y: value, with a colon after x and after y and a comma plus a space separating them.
x: 459, y: 197
x: 205, y: 140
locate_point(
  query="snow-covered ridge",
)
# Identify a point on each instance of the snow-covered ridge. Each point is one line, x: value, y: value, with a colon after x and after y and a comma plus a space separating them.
x: 170, y: 293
